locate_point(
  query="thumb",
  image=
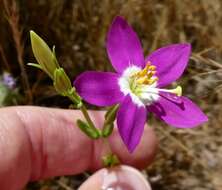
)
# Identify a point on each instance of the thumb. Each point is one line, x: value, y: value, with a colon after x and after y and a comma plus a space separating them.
x: 120, y: 177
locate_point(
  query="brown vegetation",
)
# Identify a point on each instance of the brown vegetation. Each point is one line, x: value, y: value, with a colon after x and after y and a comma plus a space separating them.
x: 188, y: 159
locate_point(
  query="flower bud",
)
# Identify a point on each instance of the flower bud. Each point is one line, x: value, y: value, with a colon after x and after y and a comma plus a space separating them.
x: 43, y: 54
x: 62, y: 82
x: 110, y: 160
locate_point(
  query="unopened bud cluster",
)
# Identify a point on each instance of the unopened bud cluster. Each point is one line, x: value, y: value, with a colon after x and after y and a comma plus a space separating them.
x: 47, y: 62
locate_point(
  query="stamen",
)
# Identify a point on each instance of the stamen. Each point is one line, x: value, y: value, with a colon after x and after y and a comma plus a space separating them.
x: 177, y: 90
x: 144, y: 71
x: 146, y: 76
x: 153, y: 80
x: 141, y: 80
x: 150, y: 74
x: 153, y: 72
x: 152, y: 67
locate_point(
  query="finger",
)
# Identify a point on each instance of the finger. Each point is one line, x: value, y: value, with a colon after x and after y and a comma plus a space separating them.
x: 120, y: 177
x: 43, y: 142
x: 141, y: 157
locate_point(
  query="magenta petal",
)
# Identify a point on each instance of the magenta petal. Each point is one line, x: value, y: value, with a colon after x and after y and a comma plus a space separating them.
x: 99, y: 88
x: 130, y: 121
x: 123, y: 46
x: 170, y: 62
x: 183, y: 114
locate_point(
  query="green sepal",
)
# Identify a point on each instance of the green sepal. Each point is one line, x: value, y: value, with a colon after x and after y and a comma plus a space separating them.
x: 89, y: 131
x: 111, y: 113
x: 110, y: 117
x: 62, y: 82
x: 110, y: 160
x: 35, y: 65
x: 107, y: 130
x: 75, y: 98
x: 79, y: 105
x: 54, y: 56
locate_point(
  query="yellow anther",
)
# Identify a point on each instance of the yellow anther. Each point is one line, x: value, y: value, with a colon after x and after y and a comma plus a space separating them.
x: 144, y: 71
x: 146, y: 76
x: 150, y: 74
x: 153, y: 72
x: 147, y: 81
x: 152, y: 67
x: 141, y: 80
x: 153, y: 80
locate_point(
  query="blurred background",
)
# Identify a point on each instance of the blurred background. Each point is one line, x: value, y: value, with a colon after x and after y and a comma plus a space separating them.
x: 187, y: 158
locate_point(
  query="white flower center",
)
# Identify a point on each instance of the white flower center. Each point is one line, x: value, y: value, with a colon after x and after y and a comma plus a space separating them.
x: 141, y: 85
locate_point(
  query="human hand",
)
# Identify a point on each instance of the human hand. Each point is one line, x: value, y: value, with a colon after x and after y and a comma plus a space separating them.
x: 38, y: 143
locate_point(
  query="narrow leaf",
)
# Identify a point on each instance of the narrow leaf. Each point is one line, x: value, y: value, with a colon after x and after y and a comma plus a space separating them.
x: 111, y: 113
x: 90, y: 132
x: 107, y: 130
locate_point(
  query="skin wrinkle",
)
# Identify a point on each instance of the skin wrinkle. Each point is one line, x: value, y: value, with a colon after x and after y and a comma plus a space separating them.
x: 12, y: 130
x: 28, y: 137
x: 48, y: 150
x: 97, y: 146
x: 35, y: 173
x: 43, y: 157
x: 45, y: 150
x: 90, y: 143
x: 3, y: 140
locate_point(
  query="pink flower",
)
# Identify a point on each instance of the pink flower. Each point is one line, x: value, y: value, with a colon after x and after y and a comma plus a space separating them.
x: 137, y: 84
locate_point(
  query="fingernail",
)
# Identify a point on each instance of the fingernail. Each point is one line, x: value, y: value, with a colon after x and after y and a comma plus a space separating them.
x: 116, y: 178
x: 123, y: 178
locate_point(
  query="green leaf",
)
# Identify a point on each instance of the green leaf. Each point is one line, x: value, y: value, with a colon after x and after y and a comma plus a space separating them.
x: 110, y: 117
x: 111, y: 113
x: 107, y: 130
x: 89, y: 131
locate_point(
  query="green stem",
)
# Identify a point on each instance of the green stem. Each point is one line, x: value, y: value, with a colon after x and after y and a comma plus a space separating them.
x: 110, y: 159
x: 75, y: 99
x: 87, y: 117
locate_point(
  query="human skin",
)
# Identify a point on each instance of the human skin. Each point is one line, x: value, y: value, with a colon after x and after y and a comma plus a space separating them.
x: 38, y: 143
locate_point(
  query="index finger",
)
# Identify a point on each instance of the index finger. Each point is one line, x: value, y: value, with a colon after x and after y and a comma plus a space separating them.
x: 44, y: 142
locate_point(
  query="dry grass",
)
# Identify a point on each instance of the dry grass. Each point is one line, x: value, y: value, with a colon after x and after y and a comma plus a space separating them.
x: 11, y: 12
x: 188, y: 159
